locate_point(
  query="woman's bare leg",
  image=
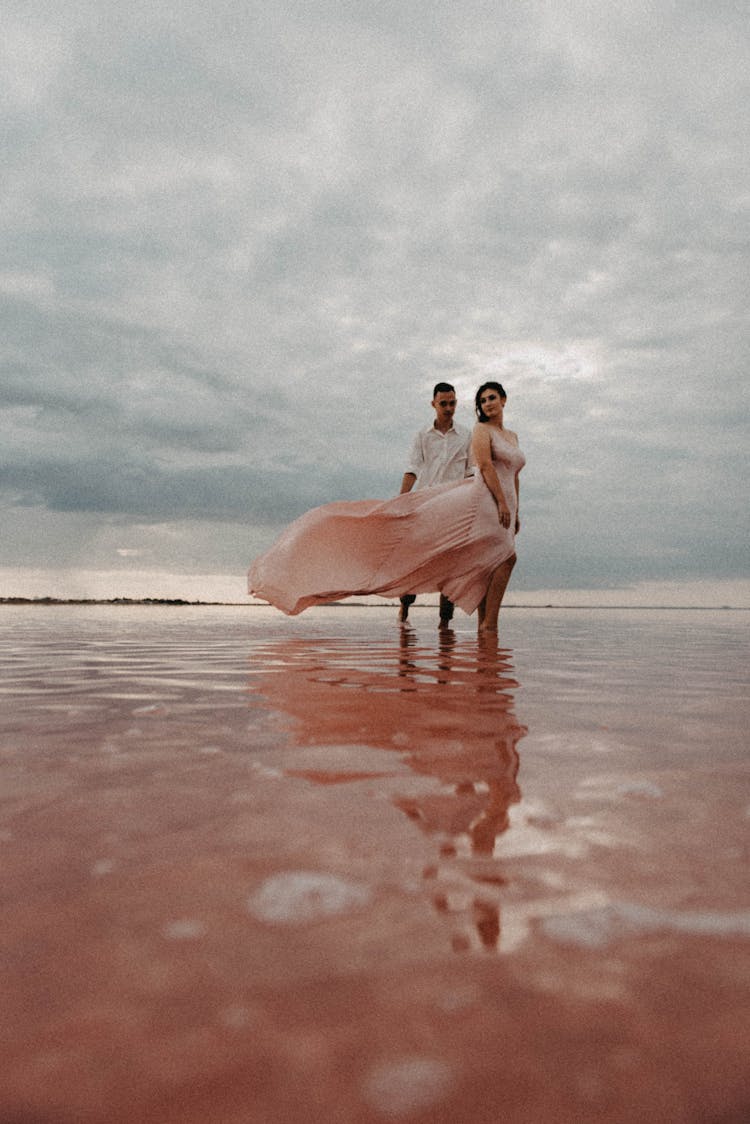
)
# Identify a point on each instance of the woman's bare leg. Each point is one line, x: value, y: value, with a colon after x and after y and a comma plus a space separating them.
x: 493, y: 598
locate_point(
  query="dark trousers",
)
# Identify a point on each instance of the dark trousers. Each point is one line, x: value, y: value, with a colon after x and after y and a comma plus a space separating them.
x: 446, y: 606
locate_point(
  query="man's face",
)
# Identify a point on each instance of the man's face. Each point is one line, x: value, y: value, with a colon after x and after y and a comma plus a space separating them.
x: 444, y: 406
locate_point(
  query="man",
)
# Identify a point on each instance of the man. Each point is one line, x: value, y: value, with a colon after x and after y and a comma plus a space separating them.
x: 438, y: 454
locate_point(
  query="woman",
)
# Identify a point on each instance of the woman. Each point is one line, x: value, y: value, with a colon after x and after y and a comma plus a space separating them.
x: 499, y: 460
x: 456, y: 538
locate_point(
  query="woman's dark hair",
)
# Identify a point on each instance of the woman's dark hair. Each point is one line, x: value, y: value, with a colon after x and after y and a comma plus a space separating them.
x: 486, y: 386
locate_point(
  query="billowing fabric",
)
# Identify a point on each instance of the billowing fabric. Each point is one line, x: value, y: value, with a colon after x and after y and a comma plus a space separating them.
x: 447, y: 538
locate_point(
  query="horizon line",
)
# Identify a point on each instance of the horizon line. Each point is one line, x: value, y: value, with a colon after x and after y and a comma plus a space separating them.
x: 182, y: 602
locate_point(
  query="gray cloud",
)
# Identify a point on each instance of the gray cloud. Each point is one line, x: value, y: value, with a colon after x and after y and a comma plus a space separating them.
x: 144, y: 489
x: 239, y: 246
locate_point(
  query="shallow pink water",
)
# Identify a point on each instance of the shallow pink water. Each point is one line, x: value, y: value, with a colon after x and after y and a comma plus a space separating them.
x: 330, y: 869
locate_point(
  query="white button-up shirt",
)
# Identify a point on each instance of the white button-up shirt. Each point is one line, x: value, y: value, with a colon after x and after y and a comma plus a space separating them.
x: 436, y: 458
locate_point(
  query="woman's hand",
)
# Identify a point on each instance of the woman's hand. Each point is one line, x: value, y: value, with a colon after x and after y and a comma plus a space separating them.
x: 518, y: 525
x: 504, y: 516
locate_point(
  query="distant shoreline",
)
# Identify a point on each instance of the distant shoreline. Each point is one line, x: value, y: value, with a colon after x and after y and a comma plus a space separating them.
x: 180, y: 602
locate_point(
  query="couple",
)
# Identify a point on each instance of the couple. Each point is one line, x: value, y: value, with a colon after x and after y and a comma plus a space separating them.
x: 455, y: 537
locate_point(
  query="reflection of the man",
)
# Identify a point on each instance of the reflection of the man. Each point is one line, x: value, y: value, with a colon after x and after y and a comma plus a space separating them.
x: 448, y: 711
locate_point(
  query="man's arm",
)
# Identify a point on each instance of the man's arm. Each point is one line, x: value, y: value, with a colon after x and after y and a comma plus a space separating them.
x: 415, y: 462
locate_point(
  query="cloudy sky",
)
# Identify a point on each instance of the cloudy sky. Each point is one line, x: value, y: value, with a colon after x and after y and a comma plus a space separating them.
x: 242, y: 240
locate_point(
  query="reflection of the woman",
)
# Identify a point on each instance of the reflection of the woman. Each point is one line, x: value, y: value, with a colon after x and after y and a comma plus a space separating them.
x: 448, y: 712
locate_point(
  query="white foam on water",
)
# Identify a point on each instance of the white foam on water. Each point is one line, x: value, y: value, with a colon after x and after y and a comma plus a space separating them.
x: 304, y: 895
x: 184, y: 930
x: 102, y: 867
x: 645, y: 790
x: 597, y: 927
x: 406, y: 1085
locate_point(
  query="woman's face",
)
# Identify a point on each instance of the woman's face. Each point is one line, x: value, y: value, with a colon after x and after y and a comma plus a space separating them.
x: 491, y: 404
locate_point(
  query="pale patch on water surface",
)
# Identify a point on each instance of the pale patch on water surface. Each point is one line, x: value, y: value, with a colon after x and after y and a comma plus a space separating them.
x: 297, y: 896
x: 407, y: 1085
x: 615, y: 921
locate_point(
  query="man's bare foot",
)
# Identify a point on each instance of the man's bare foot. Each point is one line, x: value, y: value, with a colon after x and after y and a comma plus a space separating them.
x: 403, y: 614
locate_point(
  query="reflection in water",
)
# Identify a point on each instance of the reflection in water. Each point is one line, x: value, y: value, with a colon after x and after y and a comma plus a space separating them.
x: 448, y: 712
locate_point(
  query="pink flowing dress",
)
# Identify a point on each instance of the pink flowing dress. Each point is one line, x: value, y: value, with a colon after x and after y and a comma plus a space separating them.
x: 447, y: 538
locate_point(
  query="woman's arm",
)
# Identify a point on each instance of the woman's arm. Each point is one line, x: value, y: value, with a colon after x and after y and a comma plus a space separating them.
x: 518, y: 505
x: 481, y: 447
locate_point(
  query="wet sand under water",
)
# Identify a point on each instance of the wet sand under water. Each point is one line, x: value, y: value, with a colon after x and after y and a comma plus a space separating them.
x: 329, y: 869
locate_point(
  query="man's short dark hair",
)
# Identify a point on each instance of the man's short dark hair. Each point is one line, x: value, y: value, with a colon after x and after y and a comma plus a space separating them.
x: 443, y: 388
